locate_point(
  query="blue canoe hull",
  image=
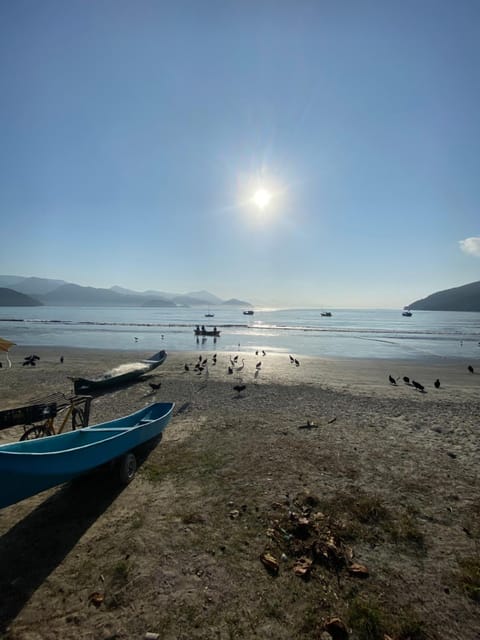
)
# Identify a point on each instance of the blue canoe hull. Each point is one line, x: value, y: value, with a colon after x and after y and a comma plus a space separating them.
x: 29, y: 467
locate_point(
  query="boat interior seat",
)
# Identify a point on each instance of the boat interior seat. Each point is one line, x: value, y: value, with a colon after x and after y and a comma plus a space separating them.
x: 118, y: 429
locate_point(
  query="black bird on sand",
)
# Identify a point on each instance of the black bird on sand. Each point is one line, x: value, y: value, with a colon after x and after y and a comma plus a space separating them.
x: 297, y: 363
x: 392, y: 380
x: 239, y: 388
x: 186, y: 367
x: 436, y: 384
x: 155, y: 386
x: 61, y: 359
x: 470, y: 368
x: 258, y: 365
x: 264, y: 353
x: 230, y: 370
x: 406, y: 379
x: 292, y: 359
x: 418, y: 386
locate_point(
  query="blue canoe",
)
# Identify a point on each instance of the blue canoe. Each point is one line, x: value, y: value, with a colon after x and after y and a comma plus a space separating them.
x: 31, y: 466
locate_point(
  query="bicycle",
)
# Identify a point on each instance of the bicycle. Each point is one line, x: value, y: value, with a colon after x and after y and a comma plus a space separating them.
x: 76, y: 408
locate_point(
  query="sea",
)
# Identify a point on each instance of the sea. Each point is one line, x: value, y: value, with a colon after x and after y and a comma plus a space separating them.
x: 347, y: 333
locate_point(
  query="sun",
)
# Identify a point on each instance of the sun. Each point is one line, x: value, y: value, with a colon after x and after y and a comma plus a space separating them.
x: 262, y: 198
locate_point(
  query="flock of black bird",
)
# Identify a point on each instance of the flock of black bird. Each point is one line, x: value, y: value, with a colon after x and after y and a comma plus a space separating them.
x: 234, y: 367
x: 202, y: 365
x: 417, y: 385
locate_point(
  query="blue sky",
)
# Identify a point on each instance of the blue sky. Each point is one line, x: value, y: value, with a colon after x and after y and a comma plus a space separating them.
x: 134, y: 135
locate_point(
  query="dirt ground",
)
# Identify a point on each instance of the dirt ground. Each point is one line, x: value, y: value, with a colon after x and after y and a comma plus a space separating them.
x: 320, y: 502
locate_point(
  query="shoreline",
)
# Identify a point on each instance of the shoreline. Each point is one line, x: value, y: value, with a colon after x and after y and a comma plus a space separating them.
x: 349, y: 375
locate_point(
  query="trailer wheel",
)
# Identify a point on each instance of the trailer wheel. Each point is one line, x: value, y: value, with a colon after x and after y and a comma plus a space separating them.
x: 127, y: 468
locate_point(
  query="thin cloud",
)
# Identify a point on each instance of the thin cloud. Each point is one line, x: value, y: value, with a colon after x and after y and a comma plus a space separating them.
x: 470, y: 246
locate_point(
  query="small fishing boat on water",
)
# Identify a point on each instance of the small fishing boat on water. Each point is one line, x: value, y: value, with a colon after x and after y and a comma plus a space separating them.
x: 120, y: 375
x: 326, y: 314
x: 407, y: 314
x: 249, y: 312
x: 206, y: 332
x: 31, y: 466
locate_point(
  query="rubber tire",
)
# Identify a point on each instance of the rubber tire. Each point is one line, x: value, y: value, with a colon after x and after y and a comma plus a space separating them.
x: 127, y: 468
x: 37, y: 431
x: 78, y: 419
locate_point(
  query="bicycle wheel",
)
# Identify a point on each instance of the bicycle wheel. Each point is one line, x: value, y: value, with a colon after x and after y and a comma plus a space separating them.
x: 78, y: 418
x: 36, y: 431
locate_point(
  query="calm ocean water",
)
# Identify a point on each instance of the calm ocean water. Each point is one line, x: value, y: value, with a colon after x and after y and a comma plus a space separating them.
x: 362, y: 333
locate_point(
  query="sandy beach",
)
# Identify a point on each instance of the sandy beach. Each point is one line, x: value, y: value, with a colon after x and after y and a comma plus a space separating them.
x: 322, y: 467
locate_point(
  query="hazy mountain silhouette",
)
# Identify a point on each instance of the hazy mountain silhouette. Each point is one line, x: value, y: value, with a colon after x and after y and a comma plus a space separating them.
x: 464, y: 298
x: 237, y: 303
x: 75, y: 295
x: 61, y: 293
x: 37, y: 286
x: 11, y: 298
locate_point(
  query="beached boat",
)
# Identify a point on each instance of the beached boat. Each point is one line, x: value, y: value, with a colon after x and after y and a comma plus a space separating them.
x: 207, y: 332
x: 120, y: 375
x: 31, y: 466
x: 249, y: 312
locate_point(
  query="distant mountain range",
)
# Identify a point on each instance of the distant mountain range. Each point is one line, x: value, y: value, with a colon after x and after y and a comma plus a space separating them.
x: 464, y: 298
x: 20, y: 291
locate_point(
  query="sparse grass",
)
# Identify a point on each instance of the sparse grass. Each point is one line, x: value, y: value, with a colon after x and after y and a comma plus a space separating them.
x: 404, y: 530
x: 366, y: 620
x: 469, y: 577
x: 411, y: 628
x: 138, y: 520
x: 120, y: 573
x: 180, y: 461
x: 367, y: 518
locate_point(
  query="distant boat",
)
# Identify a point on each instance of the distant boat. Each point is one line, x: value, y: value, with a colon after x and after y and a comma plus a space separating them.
x: 326, y: 314
x: 209, y: 315
x: 31, y: 466
x: 207, y: 332
x: 407, y: 314
x: 249, y: 312
x: 120, y: 375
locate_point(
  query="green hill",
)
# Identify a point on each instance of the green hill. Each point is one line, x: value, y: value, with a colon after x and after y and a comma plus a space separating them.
x: 464, y: 298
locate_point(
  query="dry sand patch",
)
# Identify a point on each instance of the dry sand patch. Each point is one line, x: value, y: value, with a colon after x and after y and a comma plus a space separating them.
x: 178, y: 551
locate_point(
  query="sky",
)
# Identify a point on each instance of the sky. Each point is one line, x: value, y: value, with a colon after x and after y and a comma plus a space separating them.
x: 289, y: 153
